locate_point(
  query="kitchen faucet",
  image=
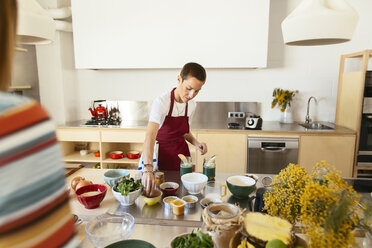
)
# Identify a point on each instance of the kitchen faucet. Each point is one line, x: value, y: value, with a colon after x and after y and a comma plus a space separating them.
x: 308, y: 120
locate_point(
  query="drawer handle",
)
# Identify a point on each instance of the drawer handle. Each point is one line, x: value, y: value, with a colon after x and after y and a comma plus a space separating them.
x: 272, y: 149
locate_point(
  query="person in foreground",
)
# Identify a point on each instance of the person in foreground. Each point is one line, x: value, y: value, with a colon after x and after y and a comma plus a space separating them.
x: 168, y: 128
x: 34, y: 209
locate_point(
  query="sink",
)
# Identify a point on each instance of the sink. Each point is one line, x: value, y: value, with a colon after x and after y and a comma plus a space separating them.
x: 315, y: 125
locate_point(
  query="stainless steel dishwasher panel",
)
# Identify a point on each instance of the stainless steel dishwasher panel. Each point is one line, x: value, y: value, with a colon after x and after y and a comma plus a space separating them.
x: 270, y: 155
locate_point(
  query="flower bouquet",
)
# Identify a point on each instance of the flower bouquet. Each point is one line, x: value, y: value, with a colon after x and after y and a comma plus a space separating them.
x: 282, y: 98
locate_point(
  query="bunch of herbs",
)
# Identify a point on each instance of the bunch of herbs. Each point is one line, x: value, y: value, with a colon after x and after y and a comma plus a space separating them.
x: 193, y: 240
x: 127, y: 185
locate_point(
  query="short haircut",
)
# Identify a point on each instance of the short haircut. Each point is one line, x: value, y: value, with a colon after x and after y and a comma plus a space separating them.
x: 193, y: 70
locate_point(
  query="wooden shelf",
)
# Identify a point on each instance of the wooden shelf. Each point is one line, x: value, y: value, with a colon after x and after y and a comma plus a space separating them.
x: 120, y: 161
x: 363, y: 167
x: 76, y: 157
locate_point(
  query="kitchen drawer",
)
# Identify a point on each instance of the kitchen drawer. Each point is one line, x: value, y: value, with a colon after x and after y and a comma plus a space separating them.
x: 78, y: 135
x: 123, y: 136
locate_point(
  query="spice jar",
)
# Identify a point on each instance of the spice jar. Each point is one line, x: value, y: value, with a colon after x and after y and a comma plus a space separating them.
x: 178, y: 207
x: 159, y: 178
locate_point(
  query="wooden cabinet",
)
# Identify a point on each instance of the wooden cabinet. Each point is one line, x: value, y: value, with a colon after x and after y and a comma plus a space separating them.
x: 351, y: 84
x: 230, y: 150
x: 336, y: 150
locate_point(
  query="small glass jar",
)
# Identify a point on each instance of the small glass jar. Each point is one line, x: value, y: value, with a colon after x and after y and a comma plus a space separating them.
x: 159, y: 178
x: 209, y: 168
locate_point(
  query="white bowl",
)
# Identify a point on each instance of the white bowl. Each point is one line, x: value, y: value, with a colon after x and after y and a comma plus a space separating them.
x: 194, y: 182
x: 129, y: 199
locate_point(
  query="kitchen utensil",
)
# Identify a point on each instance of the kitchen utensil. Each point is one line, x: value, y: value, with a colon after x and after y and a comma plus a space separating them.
x: 253, y: 122
x: 99, y: 112
x: 111, y: 177
x: 134, y: 243
x: 194, y: 182
x: 126, y: 200
x: 215, y: 190
x: 190, y: 200
x: 169, y: 188
x: 133, y: 154
x: 93, y: 195
x: 116, y: 154
x: 153, y: 200
x: 107, y: 229
x: 241, y: 186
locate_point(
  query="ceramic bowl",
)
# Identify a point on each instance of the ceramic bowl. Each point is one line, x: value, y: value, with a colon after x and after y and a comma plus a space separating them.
x: 133, y: 155
x: 111, y: 177
x: 107, y: 229
x: 131, y: 243
x: 169, y: 188
x: 128, y: 199
x: 190, y: 200
x: 194, y: 182
x: 241, y: 186
x: 153, y: 200
x: 91, y: 195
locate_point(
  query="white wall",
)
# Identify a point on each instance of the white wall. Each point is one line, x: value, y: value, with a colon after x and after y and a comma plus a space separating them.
x: 311, y: 70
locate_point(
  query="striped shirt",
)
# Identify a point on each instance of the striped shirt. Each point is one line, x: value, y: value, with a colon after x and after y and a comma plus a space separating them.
x: 34, y: 209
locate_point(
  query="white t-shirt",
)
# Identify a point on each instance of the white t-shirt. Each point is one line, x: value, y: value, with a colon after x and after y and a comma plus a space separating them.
x: 161, y: 105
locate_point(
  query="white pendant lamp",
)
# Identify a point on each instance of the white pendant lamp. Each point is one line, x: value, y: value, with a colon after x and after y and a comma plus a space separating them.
x: 35, y: 25
x: 320, y: 22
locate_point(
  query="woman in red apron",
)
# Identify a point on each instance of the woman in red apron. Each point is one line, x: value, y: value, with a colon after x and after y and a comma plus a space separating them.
x: 175, y: 131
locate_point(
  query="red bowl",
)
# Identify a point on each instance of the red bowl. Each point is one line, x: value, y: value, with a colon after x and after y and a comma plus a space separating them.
x: 133, y: 154
x: 91, y: 201
x: 116, y: 154
x: 169, y: 188
x: 97, y: 154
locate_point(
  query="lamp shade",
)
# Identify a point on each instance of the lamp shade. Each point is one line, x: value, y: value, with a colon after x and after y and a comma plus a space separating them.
x: 35, y: 25
x: 320, y: 22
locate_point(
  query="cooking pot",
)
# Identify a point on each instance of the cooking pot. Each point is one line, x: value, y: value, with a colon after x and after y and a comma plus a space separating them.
x: 133, y: 154
x: 116, y: 154
x: 99, y: 112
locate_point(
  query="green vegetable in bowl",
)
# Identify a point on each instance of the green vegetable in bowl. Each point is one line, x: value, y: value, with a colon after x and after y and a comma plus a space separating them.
x: 127, y: 185
x: 193, y: 240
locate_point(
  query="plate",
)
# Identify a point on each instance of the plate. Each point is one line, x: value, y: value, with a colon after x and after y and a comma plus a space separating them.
x: 131, y: 243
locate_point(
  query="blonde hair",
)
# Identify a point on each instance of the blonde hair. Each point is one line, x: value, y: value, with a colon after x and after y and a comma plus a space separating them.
x: 8, y: 26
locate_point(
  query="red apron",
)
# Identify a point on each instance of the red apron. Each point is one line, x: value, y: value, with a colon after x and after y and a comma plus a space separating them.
x: 171, y: 139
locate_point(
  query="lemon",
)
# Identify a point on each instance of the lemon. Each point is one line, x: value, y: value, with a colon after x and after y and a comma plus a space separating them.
x: 275, y: 243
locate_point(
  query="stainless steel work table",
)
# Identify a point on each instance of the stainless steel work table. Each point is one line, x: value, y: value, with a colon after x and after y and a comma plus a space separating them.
x: 154, y: 224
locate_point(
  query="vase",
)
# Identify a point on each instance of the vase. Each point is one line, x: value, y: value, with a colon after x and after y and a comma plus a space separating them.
x: 286, y: 116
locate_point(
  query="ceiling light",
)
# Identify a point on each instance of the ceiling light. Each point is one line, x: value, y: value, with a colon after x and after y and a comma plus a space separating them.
x: 35, y: 25
x: 320, y: 22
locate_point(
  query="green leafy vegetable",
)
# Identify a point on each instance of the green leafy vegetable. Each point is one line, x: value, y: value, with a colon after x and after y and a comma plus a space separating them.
x: 127, y: 185
x: 192, y: 240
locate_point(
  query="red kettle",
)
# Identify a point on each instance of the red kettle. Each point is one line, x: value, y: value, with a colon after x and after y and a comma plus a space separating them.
x: 99, y: 112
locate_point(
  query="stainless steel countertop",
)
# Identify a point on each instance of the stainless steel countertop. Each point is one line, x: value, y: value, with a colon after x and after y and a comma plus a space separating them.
x: 158, y: 226
x: 267, y: 126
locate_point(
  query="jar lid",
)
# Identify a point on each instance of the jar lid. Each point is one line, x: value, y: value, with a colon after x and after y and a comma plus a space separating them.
x: 159, y: 174
x: 223, y: 211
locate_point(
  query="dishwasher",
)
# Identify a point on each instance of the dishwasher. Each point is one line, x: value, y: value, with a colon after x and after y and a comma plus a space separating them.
x: 270, y: 155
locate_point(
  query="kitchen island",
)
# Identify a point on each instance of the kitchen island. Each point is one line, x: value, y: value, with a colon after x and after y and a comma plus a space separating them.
x: 153, y: 223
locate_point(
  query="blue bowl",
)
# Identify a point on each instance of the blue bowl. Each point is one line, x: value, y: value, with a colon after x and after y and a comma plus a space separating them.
x: 111, y: 177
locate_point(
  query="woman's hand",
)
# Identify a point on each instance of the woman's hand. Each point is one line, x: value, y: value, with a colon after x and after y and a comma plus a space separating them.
x: 202, y: 147
x: 148, y: 182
